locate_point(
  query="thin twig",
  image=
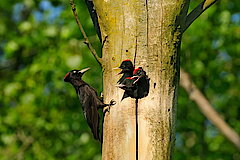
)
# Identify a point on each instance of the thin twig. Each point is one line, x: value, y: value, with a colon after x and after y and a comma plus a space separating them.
x: 196, y: 12
x: 93, y: 51
x: 206, y: 108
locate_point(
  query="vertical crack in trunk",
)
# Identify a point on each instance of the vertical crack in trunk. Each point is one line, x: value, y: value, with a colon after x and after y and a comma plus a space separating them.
x: 135, y: 55
x: 136, y: 102
x: 147, y: 23
x: 136, y: 112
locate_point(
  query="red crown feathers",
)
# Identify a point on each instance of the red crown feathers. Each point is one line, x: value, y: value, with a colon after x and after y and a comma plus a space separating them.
x: 135, y: 70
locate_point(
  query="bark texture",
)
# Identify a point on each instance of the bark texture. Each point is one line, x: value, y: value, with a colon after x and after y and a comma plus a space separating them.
x: 150, y: 31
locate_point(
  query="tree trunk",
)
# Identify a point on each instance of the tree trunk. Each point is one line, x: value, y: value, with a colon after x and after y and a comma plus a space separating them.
x: 148, y: 30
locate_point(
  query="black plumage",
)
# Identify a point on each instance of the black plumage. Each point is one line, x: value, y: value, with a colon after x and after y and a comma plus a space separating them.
x: 130, y: 90
x: 136, y: 85
x: 126, y: 69
x: 88, y: 98
x: 142, y: 82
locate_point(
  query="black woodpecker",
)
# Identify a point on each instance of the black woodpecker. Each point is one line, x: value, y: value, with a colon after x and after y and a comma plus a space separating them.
x: 127, y: 70
x: 88, y: 98
x: 142, y: 82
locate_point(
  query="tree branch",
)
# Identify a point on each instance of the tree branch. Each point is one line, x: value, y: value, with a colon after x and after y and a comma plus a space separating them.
x: 26, y: 142
x: 94, y: 17
x: 195, y: 13
x: 206, y: 108
x: 93, y: 51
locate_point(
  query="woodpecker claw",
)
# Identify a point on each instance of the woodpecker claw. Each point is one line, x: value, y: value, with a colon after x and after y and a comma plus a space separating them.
x: 107, y: 108
x: 112, y: 102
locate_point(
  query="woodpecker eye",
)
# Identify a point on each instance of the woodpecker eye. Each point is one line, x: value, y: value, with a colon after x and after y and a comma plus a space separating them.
x: 74, y: 71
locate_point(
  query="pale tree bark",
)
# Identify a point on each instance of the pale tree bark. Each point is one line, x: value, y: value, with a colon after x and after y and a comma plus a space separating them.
x: 150, y: 31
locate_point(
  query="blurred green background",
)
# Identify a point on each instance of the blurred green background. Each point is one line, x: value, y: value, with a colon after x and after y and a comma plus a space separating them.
x: 40, y: 115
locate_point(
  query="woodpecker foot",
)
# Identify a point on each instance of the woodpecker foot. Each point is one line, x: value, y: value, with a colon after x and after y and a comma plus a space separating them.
x: 112, y: 102
x: 108, y: 106
x: 101, y: 96
x: 106, y: 109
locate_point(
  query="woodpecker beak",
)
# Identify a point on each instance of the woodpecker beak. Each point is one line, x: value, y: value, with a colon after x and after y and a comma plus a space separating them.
x: 135, y: 77
x: 117, y: 69
x: 120, y: 85
x: 84, y: 70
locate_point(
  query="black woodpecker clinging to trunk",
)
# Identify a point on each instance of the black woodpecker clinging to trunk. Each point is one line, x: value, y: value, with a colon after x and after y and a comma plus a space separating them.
x: 88, y: 98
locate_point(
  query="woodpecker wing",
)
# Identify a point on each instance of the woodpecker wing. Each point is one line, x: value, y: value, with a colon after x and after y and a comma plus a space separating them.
x: 87, y: 97
x: 129, y: 87
x: 142, y: 82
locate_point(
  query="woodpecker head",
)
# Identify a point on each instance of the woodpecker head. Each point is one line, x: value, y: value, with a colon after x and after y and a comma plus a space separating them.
x: 126, y: 66
x: 137, y: 71
x: 75, y: 75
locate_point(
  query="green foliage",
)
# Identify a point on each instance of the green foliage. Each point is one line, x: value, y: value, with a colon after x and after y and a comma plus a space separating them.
x: 40, y: 116
x: 210, y: 53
